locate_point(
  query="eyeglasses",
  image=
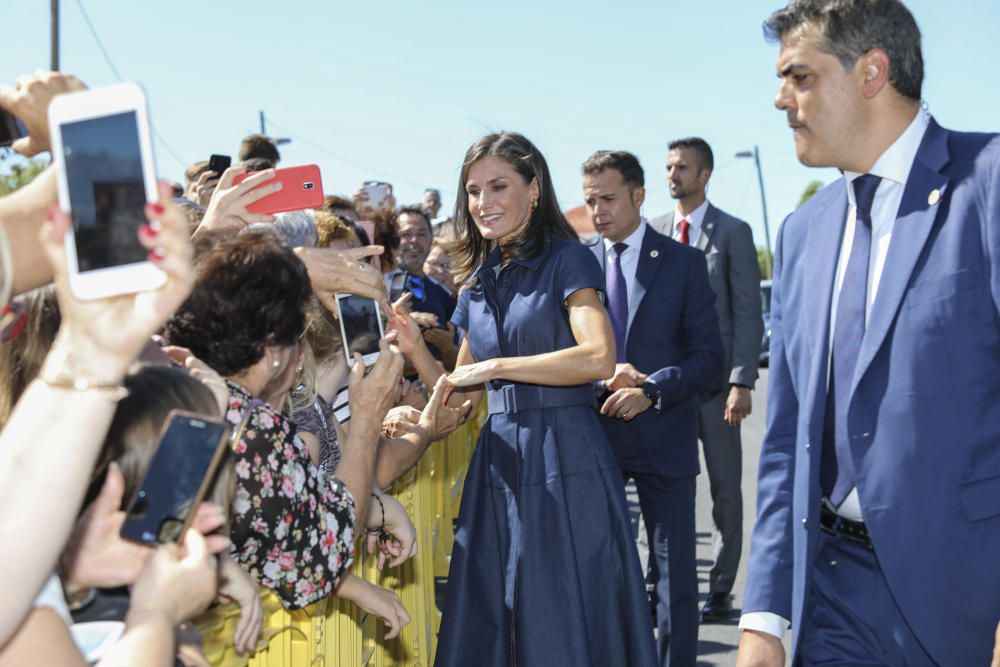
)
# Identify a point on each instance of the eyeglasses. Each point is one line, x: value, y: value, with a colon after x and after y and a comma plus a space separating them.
x: 416, y: 287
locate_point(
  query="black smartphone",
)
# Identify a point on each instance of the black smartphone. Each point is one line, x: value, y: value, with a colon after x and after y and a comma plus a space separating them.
x: 219, y: 163
x: 180, y: 474
x: 360, y: 327
x: 11, y: 128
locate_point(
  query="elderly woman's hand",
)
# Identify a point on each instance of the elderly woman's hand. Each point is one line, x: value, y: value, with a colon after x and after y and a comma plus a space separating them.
x: 99, y: 339
x: 332, y: 271
x: 29, y: 100
x: 371, y: 396
x: 227, y: 208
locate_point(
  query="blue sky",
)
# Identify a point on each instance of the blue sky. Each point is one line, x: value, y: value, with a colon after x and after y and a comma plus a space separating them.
x: 398, y: 90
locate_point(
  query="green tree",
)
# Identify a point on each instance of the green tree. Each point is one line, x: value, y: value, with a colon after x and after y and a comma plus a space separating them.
x: 21, y: 173
x: 810, y: 190
x: 762, y: 253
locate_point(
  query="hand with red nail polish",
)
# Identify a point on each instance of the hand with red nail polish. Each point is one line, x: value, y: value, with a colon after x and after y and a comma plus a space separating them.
x: 108, y: 334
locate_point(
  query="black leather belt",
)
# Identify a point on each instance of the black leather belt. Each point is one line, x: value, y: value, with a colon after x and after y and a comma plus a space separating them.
x: 834, y: 524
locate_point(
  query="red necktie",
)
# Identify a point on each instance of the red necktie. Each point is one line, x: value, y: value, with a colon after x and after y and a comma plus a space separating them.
x: 685, y: 226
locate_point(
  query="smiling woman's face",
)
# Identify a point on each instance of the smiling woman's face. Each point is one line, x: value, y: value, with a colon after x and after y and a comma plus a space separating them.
x: 499, y: 199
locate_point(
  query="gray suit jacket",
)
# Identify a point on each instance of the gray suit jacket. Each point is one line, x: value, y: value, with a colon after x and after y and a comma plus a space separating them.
x: 735, y: 277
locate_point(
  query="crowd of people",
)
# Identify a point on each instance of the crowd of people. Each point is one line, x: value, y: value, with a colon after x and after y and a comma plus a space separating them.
x: 596, y: 362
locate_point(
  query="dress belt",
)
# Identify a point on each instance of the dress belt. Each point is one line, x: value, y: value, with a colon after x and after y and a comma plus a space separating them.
x: 514, y: 398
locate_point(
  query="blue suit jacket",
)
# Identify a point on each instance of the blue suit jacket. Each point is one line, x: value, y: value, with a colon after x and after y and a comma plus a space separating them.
x: 673, y: 337
x: 923, y: 418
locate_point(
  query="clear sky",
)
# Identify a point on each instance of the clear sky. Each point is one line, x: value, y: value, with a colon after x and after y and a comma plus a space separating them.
x: 398, y: 90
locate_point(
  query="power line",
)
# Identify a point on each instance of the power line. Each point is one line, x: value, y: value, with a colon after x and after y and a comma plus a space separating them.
x: 341, y: 158
x: 118, y: 76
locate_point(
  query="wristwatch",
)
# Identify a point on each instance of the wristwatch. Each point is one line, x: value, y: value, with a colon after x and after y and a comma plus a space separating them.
x: 652, y: 392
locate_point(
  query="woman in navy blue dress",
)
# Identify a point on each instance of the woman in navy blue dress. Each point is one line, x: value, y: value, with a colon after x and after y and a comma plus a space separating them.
x: 544, y: 570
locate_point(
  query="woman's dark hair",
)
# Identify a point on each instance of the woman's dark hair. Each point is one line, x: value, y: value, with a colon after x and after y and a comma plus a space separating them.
x: 546, y: 220
x: 22, y: 355
x: 250, y: 292
x: 387, y: 236
x: 153, y: 391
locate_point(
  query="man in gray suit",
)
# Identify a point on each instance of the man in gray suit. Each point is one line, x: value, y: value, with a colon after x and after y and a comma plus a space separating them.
x: 735, y: 277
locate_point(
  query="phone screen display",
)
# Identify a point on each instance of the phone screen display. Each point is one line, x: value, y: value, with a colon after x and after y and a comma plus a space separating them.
x: 184, y: 457
x: 360, y: 319
x: 106, y: 189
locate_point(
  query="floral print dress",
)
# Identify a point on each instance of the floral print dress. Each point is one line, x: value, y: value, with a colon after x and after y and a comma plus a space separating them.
x: 292, y: 528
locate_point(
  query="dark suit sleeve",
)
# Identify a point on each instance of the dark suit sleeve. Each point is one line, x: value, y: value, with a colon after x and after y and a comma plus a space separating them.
x: 744, y: 297
x: 701, y: 367
x: 769, y: 575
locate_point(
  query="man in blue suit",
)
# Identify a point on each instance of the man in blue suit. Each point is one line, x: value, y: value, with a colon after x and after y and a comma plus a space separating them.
x: 669, y: 349
x: 878, y: 528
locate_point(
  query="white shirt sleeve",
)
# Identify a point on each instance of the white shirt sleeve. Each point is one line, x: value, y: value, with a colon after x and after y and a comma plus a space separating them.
x: 764, y: 621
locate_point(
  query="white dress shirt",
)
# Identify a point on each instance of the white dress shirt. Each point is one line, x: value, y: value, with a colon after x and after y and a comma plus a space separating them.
x: 695, y: 218
x: 894, y: 168
x: 629, y: 260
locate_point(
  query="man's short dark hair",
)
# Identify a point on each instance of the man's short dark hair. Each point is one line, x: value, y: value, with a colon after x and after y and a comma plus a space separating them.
x: 623, y: 162
x: 416, y: 210
x: 259, y: 145
x: 701, y: 148
x: 851, y: 28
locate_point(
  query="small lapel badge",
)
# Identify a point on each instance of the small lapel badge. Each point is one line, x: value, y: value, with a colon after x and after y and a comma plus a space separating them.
x: 934, y: 197
x: 654, y: 253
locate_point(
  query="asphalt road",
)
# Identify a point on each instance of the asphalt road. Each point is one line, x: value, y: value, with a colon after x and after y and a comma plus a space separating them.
x: 717, y: 642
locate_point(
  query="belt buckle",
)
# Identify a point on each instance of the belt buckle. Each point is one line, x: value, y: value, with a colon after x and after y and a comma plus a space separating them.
x: 509, y: 399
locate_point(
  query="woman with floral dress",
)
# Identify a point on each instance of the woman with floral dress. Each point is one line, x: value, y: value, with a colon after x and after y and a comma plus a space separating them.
x: 292, y: 528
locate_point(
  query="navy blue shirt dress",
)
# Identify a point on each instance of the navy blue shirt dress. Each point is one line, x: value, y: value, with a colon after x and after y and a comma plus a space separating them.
x: 544, y: 569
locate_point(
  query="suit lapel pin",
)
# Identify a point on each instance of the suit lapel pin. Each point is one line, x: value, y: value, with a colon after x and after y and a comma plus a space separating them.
x: 654, y: 253
x: 934, y: 197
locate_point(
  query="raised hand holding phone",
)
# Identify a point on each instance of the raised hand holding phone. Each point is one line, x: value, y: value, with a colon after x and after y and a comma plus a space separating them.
x: 29, y: 99
x: 101, y: 338
x: 228, y: 206
x: 182, y: 470
x: 103, y: 155
x: 297, y: 188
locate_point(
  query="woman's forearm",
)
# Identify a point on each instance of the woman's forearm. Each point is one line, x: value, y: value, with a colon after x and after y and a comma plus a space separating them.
x: 579, y: 364
x: 357, y: 461
x: 22, y: 214
x: 40, y: 453
x: 397, y: 455
x: 148, y: 640
x: 426, y: 365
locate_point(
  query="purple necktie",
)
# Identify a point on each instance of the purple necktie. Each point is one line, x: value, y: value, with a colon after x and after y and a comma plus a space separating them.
x: 837, y: 467
x: 618, y: 300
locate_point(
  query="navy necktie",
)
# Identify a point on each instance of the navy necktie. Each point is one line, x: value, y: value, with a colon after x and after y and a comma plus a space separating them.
x: 618, y: 300
x: 837, y: 469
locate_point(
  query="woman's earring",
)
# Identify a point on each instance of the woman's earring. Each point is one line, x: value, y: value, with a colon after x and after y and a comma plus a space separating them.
x: 276, y: 363
x: 534, y: 204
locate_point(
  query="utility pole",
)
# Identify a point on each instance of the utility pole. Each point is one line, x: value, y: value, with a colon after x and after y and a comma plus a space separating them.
x: 263, y: 127
x: 763, y: 204
x: 54, y: 23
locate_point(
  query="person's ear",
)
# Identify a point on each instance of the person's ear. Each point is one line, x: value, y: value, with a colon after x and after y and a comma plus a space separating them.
x: 872, y: 71
x: 535, y: 190
x: 703, y: 176
x: 638, y: 196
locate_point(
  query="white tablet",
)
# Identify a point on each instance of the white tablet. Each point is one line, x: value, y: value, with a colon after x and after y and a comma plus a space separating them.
x: 104, y: 165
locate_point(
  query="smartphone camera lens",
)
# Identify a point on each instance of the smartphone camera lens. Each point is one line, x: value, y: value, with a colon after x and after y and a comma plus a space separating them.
x: 308, y: 185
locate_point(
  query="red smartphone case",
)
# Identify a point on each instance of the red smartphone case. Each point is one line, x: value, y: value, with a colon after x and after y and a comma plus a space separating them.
x: 301, y: 187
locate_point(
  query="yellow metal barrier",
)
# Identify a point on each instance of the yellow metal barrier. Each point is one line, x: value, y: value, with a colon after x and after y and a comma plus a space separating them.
x: 335, y: 633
